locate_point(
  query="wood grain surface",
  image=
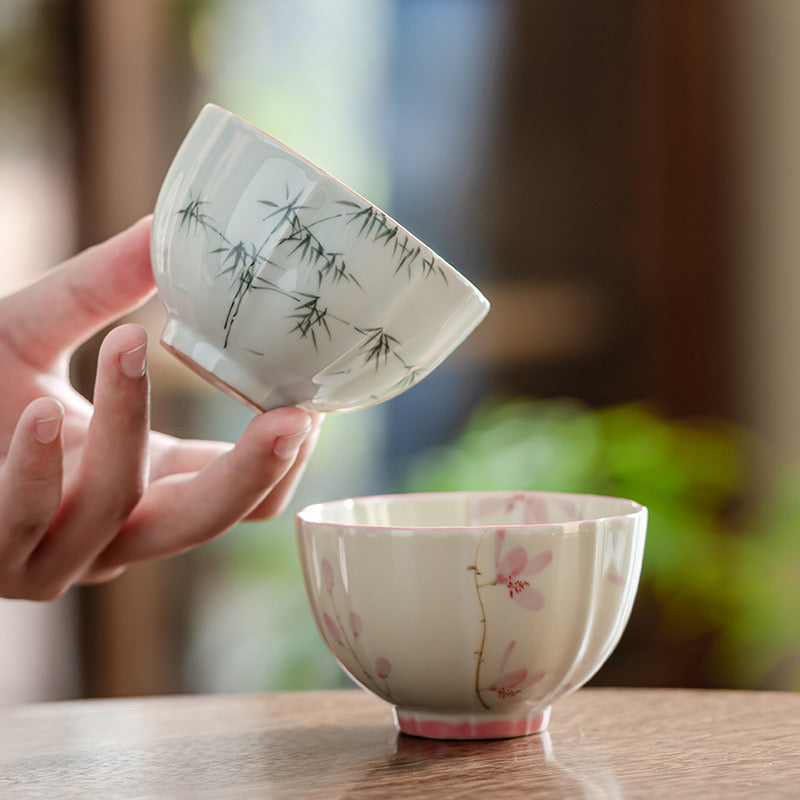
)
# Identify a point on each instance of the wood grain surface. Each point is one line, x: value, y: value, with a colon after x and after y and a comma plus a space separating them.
x: 602, y: 743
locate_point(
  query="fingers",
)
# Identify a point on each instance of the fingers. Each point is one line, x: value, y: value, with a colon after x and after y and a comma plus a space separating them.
x: 181, y: 511
x: 277, y: 500
x: 170, y: 455
x: 112, y: 475
x: 66, y: 306
x: 117, y: 438
x: 30, y: 490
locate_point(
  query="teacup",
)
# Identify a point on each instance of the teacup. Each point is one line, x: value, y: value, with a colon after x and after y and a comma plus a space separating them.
x: 284, y: 287
x: 470, y: 612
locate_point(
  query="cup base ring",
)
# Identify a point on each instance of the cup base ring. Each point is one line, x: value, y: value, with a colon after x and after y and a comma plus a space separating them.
x: 211, y: 378
x: 469, y: 726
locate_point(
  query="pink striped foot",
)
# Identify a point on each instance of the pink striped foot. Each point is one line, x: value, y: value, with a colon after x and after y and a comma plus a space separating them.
x: 469, y: 726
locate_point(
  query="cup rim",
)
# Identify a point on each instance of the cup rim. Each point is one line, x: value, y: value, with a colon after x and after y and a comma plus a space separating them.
x: 274, y: 140
x: 261, y: 133
x: 304, y: 515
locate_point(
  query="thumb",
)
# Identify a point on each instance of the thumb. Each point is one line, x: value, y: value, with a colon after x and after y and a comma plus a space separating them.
x: 83, y: 295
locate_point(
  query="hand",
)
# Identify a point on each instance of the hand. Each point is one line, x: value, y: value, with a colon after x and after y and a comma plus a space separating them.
x: 86, y: 489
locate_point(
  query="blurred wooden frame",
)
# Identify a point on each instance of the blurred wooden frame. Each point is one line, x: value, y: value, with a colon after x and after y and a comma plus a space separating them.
x: 128, y: 122
x: 682, y: 228
x: 533, y: 321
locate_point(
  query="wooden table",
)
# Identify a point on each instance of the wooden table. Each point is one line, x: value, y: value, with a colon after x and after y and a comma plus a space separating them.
x: 602, y: 743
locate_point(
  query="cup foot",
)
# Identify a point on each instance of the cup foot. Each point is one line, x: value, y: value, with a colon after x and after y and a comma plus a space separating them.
x: 469, y: 726
x: 212, y: 378
x: 221, y: 369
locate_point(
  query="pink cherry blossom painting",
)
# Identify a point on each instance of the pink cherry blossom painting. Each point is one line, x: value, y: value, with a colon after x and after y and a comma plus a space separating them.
x: 347, y: 639
x: 508, y: 577
x: 510, y: 683
x: 512, y: 569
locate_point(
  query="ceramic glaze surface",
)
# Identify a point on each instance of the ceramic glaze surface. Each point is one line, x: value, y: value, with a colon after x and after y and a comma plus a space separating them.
x: 472, y: 613
x: 282, y: 286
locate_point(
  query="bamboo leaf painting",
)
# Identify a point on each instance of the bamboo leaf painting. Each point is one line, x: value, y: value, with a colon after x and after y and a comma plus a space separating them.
x: 378, y: 346
x: 375, y: 226
x: 431, y: 267
x: 293, y: 237
x: 285, y: 213
x: 192, y: 216
x: 310, y: 249
x: 237, y: 259
x: 311, y: 318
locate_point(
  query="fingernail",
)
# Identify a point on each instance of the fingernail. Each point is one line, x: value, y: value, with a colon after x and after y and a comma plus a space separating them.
x: 47, y: 430
x: 288, y: 446
x: 134, y: 362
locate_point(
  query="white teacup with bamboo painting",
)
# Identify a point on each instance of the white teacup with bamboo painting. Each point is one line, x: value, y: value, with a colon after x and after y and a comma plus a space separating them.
x: 472, y: 613
x: 284, y: 287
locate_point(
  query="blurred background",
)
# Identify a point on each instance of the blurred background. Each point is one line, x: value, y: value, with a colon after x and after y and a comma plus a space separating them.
x: 621, y: 179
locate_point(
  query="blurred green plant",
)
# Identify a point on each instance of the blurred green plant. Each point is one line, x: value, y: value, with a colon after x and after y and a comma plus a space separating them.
x: 712, y: 572
x: 760, y: 643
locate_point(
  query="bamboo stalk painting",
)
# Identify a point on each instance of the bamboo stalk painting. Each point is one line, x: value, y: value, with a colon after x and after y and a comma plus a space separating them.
x: 244, y: 268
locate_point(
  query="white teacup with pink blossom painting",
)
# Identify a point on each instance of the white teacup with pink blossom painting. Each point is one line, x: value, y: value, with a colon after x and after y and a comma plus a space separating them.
x: 472, y: 612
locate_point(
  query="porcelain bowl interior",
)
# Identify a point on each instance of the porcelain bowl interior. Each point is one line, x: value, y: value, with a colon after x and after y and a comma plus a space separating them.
x: 472, y: 613
x: 284, y: 287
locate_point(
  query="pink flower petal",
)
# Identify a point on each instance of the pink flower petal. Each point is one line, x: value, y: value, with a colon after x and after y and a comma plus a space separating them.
x: 511, y: 564
x: 614, y: 577
x: 327, y: 575
x: 383, y: 667
x: 514, y: 502
x: 355, y: 623
x: 485, y: 509
x: 535, y: 511
x: 510, y: 679
x: 530, y: 598
x: 499, y: 538
x: 512, y: 683
x: 333, y: 629
x: 531, y: 679
x: 570, y: 509
x: 537, y: 563
x: 507, y: 655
